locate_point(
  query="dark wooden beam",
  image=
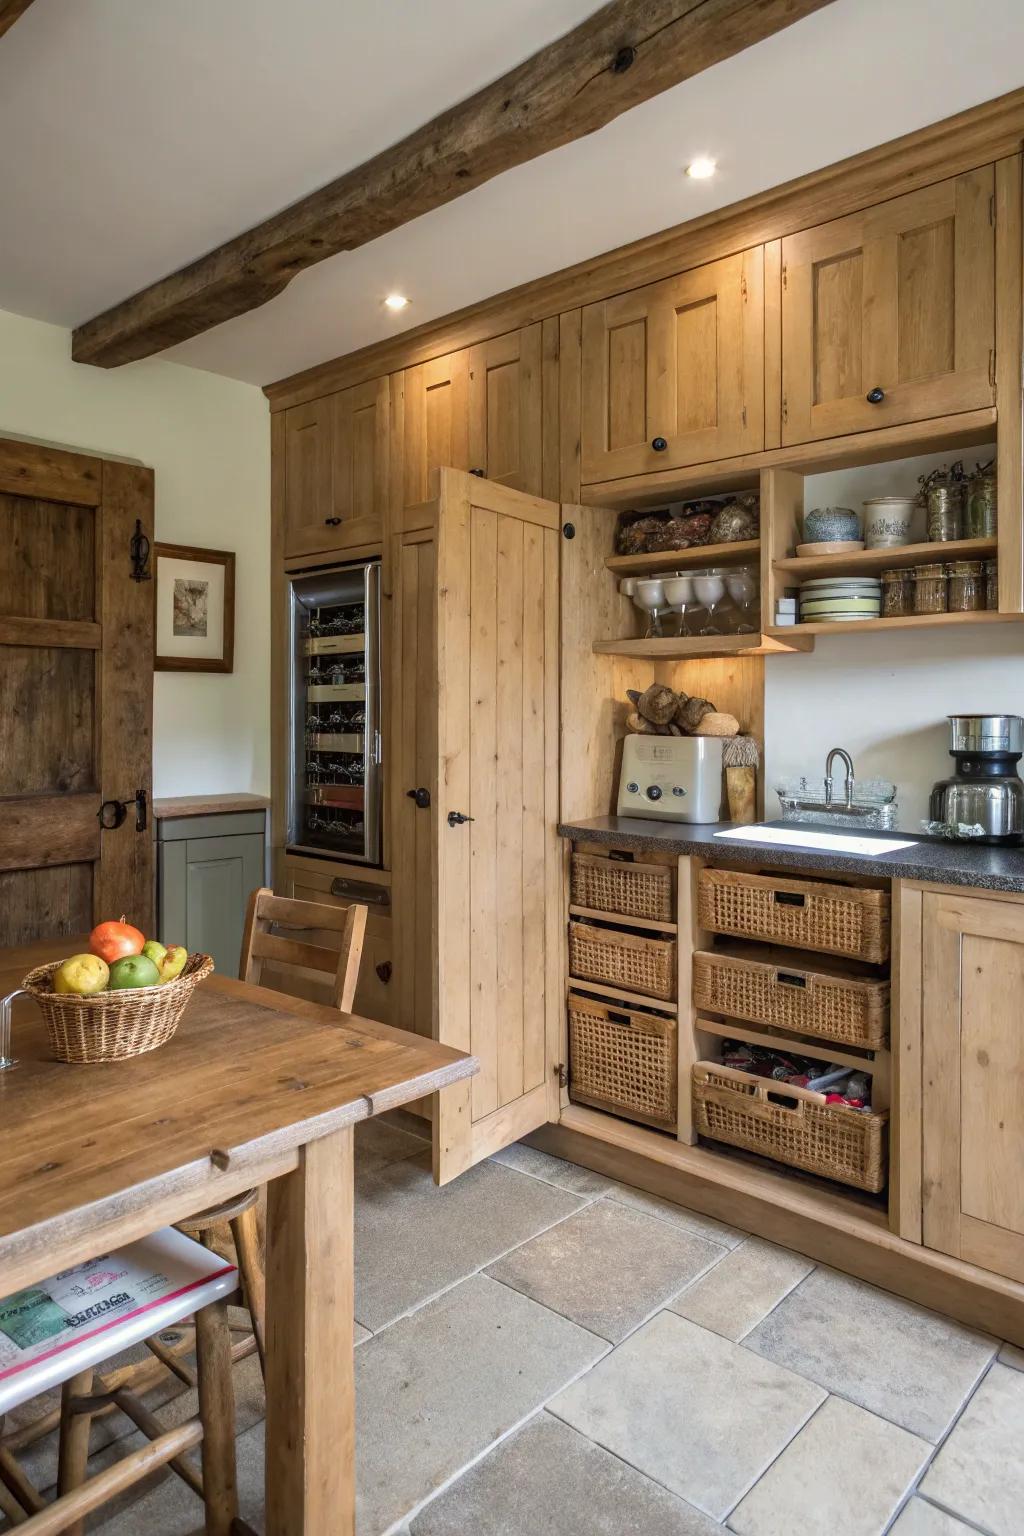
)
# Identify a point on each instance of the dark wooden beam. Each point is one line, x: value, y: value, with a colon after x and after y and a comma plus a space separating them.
x: 10, y: 10
x: 624, y: 54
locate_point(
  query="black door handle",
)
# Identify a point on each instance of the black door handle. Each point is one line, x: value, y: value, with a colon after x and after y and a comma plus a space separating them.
x: 113, y: 813
x: 421, y: 796
x: 456, y: 818
x: 875, y: 396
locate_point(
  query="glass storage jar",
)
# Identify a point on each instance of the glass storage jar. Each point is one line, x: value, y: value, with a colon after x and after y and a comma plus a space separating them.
x: 931, y: 584
x: 897, y: 594
x: 980, y: 514
x: 992, y: 584
x: 966, y: 586
x: 943, y: 495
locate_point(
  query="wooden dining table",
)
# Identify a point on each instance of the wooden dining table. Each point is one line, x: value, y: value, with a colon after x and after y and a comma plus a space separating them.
x: 255, y: 1088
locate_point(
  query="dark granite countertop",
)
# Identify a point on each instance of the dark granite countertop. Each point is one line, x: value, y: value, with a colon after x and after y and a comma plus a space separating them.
x: 933, y: 859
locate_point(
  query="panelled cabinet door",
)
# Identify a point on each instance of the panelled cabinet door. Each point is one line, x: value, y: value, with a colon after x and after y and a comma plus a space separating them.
x: 336, y: 470
x: 308, y: 496
x: 888, y: 315
x: 673, y: 374
x: 505, y: 421
x: 973, y: 1089
x: 430, y: 413
x: 477, y: 869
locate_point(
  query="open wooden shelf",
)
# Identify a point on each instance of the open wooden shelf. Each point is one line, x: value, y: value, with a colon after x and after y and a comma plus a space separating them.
x: 910, y: 621
x: 861, y: 560
x: 740, y: 552
x: 776, y: 642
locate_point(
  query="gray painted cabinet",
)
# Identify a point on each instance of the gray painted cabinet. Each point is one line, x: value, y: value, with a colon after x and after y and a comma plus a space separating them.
x: 206, y: 868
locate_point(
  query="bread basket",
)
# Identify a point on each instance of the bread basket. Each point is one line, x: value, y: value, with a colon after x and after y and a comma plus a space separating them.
x: 112, y: 1026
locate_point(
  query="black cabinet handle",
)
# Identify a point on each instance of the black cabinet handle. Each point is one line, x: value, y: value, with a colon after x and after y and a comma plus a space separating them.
x: 659, y: 444
x: 478, y: 472
x: 456, y: 818
x: 875, y: 396
x: 332, y: 522
x: 421, y: 796
x: 384, y: 971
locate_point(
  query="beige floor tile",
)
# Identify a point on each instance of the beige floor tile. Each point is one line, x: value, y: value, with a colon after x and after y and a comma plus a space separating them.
x: 547, y: 1478
x: 699, y: 1414
x: 606, y: 1267
x: 413, y: 1240
x: 979, y: 1471
x: 919, y: 1518
x: 362, y: 1334
x: 378, y: 1143
x: 677, y: 1215
x: 439, y: 1387
x: 845, y: 1473
x: 553, y: 1170
x: 890, y: 1356
x: 1011, y: 1355
x: 738, y: 1293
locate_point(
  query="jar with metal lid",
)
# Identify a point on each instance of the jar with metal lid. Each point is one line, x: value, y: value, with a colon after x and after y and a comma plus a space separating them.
x: 992, y: 584
x: 897, y: 593
x: 931, y: 583
x: 966, y: 586
x: 980, y: 513
x: 942, y: 493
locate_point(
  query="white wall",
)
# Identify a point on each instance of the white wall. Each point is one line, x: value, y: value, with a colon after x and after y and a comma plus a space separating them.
x: 208, y: 440
x: 885, y: 695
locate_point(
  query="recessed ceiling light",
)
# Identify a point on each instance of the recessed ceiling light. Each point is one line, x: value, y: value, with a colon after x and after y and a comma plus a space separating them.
x: 701, y: 168
x: 396, y: 301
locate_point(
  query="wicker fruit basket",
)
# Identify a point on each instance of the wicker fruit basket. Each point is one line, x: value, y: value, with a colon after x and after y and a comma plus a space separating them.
x: 112, y: 1026
x: 808, y: 914
x: 791, y: 1125
x: 629, y: 889
x: 851, y: 1010
x: 623, y: 1061
x: 631, y: 961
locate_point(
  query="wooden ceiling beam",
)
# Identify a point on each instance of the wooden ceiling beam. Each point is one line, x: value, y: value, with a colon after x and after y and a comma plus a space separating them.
x: 10, y: 10
x: 625, y: 53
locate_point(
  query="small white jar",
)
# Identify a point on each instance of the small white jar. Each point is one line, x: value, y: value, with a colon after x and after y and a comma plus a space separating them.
x: 888, y: 521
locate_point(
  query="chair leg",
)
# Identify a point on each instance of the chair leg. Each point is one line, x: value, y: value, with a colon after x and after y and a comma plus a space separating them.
x: 73, y: 1454
x: 248, y: 1247
x: 217, y: 1412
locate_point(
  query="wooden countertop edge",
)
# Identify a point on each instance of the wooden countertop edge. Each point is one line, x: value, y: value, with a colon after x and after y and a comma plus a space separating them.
x: 208, y: 805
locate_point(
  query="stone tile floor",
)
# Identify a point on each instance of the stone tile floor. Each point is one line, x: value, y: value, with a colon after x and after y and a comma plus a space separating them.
x: 542, y: 1350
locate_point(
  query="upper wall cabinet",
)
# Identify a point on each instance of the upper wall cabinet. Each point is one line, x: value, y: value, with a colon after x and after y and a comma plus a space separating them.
x: 430, y: 413
x: 673, y: 374
x: 336, y: 463
x: 505, y: 422
x: 888, y: 315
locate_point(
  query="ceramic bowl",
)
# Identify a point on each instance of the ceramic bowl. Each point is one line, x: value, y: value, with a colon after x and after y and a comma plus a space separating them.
x: 832, y: 525
x: 887, y: 521
x: 843, y: 547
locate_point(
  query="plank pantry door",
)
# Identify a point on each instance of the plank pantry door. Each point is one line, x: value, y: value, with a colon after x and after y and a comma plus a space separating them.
x: 477, y: 644
x: 76, y: 692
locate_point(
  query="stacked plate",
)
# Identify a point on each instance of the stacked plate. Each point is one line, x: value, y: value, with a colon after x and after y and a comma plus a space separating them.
x: 840, y: 599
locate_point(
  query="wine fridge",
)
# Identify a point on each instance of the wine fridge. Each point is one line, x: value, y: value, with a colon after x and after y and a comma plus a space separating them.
x: 335, y: 780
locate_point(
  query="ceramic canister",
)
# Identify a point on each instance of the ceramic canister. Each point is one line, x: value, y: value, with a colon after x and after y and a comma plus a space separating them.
x: 888, y: 521
x: 831, y: 525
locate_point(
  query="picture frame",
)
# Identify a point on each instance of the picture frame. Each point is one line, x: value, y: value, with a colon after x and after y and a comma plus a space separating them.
x: 194, y: 609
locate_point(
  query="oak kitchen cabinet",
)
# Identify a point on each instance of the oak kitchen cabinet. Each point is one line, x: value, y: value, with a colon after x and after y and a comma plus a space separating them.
x: 332, y: 884
x: 336, y: 470
x: 474, y: 779
x: 888, y: 315
x: 673, y: 373
x: 973, y: 1079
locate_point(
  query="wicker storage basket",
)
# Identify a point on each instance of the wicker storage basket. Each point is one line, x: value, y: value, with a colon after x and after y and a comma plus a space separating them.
x: 848, y: 1009
x: 113, y: 1025
x: 623, y: 1061
x: 849, y: 1145
x: 809, y: 914
x: 611, y: 885
x: 632, y: 961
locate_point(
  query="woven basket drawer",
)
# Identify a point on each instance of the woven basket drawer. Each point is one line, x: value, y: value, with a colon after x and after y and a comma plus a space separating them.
x: 613, y: 885
x: 623, y: 1061
x: 790, y: 1125
x: 632, y: 961
x: 808, y: 914
x: 848, y: 1009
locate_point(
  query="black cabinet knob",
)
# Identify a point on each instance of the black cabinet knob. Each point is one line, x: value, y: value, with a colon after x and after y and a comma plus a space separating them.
x: 478, y: 472
x: 332, y: 522
x: 875, y: 396
x: 659, y: 444
x: 421, y: 796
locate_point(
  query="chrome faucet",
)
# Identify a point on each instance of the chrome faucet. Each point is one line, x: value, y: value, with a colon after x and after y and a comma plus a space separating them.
x: 847, y: 760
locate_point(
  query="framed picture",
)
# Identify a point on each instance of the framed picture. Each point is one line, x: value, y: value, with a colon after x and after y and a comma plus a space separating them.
x: 195, y: 609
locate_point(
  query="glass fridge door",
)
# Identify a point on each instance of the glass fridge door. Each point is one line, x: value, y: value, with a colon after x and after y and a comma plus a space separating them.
x: 334, y: 800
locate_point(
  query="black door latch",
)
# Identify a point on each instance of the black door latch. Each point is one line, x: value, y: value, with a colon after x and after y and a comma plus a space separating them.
x: 456, y: 818
x: 112, y: 813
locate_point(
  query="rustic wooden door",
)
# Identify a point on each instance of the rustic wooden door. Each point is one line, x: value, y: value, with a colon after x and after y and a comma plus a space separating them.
x: 477, y: 870
x: 76, y: 693
x: 430, y: 428
x: 889, y: 315
x: 673, y: 373
x: 505, y: 421
x: 973, y: 1080
x: 336, y: 470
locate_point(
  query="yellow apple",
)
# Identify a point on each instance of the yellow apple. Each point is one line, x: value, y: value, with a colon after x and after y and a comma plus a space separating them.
x: 173, y: 962
x: 83, y: 975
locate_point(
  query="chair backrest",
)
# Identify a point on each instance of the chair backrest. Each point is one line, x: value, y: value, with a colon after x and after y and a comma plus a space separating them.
x: 261, y: 942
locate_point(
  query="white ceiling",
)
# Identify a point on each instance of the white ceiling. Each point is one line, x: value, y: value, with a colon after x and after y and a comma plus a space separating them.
x: 137, y: 135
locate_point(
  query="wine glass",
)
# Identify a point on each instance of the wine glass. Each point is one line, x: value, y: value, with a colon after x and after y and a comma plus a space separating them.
x: 742, y: 586
x: 650, y: 596
x: 678, y: 593
x: 709, y: 589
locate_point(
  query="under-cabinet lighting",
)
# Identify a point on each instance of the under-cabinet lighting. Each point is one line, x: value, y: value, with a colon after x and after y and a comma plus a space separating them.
x: 701, y: 168
x: 396, y: 301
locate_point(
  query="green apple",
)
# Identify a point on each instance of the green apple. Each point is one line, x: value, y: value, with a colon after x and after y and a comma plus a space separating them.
x: 133, y: 971
x: 173, y: 962
x: 155, y: 951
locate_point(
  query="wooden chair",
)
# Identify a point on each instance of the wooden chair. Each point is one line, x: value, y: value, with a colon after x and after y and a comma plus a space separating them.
x: 263, y: 943
x: 195, y: 1286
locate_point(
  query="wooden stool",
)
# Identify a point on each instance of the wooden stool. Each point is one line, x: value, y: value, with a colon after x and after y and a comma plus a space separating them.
x: 198, y: 1283
x: 240, y: 1216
